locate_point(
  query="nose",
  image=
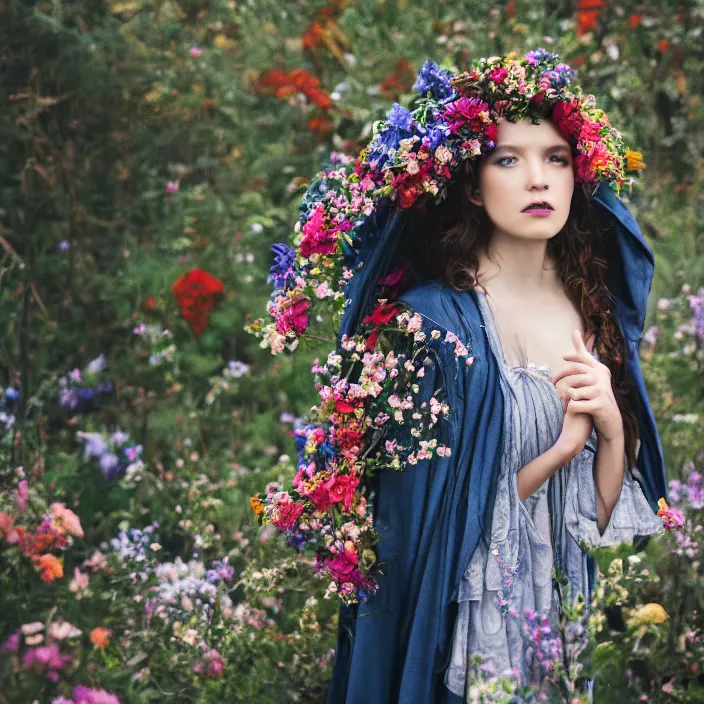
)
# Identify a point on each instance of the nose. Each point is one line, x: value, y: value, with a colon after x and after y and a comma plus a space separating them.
x: 536, y: 172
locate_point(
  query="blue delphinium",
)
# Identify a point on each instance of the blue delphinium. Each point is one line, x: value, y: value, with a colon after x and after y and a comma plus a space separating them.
x: 433, y: 80
x: 399, y: 125
x: 281, y: 272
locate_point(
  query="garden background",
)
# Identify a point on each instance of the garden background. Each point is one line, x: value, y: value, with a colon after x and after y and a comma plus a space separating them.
x: 151, y: 146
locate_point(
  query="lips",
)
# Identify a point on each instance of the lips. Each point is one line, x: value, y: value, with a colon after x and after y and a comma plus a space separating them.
x: 538, y: 206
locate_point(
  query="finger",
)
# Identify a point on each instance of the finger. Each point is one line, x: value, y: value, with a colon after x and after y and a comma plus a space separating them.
x: 583, y: 393
x: 590, y: 343
x: 577, y: 340
x: 584, y: 357
x: 575, y: 380
x: 586, y: 406
x: 576, y: 368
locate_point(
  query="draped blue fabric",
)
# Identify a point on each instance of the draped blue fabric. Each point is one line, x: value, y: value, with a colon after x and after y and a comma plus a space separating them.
x: 395, y: 647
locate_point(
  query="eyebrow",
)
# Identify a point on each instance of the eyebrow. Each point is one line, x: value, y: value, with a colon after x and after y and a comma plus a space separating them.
x: 513, y: 148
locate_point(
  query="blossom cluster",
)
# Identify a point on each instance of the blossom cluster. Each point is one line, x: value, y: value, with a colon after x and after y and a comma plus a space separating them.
x: 81, y: 391
x: 53, y: 533
x: 116, y: 454
x: 413, y: 156
x: 162, y: 349
x: 326, y: 510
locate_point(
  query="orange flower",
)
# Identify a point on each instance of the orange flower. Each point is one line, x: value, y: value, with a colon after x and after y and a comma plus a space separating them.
x: 256, y: 505
x: 588, y: 15
x: 49, y: 567
x: 100, y: 637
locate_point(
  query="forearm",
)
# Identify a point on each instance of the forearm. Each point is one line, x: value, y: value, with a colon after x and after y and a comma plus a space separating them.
x: 608, y: 478
x: 534, y: 474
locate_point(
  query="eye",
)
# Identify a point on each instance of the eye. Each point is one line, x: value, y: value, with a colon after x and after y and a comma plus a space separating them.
x: 561, y: 159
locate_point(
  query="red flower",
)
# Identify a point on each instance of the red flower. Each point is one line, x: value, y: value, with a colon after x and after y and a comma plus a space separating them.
x: 196, y: 293
x: 382, y: 314
x: 588, y: 15
x: 568, y: 119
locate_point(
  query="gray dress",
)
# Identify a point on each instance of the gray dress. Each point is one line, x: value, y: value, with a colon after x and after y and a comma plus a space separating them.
x: 535, y: 541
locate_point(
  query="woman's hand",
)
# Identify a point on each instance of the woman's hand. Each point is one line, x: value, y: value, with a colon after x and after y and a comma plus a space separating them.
x: 589, y: 390
x: 576, y: 429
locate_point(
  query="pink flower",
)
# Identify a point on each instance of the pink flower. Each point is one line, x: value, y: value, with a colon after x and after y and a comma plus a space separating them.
x: 286, y: 513
x: 46, y: 658
x: 79, y: 582
x: 195, y: 52
x: 294, y: 318
x: 172, y: 186
x: 64, y: 521
x: 84, y: 695
x: 212, y: 665
x: 21, y: 496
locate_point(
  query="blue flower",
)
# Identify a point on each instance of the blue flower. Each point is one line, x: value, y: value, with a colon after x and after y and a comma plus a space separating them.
x: 432, y: 79
x: 11, y: 394
x: 561, y: 75
x: 534, y: 57
x: 282, y: 270
x: 399, y: 125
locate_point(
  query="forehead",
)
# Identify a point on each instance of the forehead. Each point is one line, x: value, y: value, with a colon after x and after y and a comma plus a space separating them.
x: 525, y: 135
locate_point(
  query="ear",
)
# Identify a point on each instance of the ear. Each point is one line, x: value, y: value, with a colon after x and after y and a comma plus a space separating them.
x: 472, y: 196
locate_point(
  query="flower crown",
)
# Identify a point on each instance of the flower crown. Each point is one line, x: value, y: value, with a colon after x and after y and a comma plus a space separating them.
x: 413, y: 157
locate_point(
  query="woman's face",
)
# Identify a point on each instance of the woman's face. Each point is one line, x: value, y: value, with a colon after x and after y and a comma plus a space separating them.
x: 530, y: 163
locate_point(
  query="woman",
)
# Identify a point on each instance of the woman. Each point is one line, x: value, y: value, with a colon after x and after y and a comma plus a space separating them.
x: 547, y: 423
x: 525, y: 325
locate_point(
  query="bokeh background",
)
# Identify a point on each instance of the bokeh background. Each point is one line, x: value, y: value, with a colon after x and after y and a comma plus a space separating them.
x: 152, y: 148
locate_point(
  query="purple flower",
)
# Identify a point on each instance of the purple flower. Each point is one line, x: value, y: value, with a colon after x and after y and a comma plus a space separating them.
x: 64, y: 246
x: 46, y: 658
x: 95, y: 444
x: 110, y: 464
x: 399, y: 125
x: 651, y: 334
x: 432, y: 79
x: 696, y: 303
x: 538, y: 55
x: 119, y: 437
x: 12, y: 644
x: 281, y: 272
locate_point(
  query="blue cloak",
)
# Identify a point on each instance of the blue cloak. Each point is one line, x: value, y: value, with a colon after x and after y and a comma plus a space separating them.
x: 395, y: 647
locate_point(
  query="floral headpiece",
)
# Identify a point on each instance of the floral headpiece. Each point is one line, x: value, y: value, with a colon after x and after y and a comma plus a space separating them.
x: 374, y: 412
x: 413, y: 156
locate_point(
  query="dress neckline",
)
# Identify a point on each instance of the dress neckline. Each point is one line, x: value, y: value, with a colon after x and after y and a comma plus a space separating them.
x: 535, y: 370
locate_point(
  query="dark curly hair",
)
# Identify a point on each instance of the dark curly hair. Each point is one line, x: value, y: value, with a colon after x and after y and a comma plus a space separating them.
x: 450, y: 235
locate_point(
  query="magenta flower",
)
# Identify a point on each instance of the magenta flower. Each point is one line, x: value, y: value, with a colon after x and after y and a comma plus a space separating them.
x: 172, y: 186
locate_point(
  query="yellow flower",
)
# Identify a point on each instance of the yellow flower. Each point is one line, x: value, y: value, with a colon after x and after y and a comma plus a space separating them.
x: 634, y: 161
x: 648, y: 613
